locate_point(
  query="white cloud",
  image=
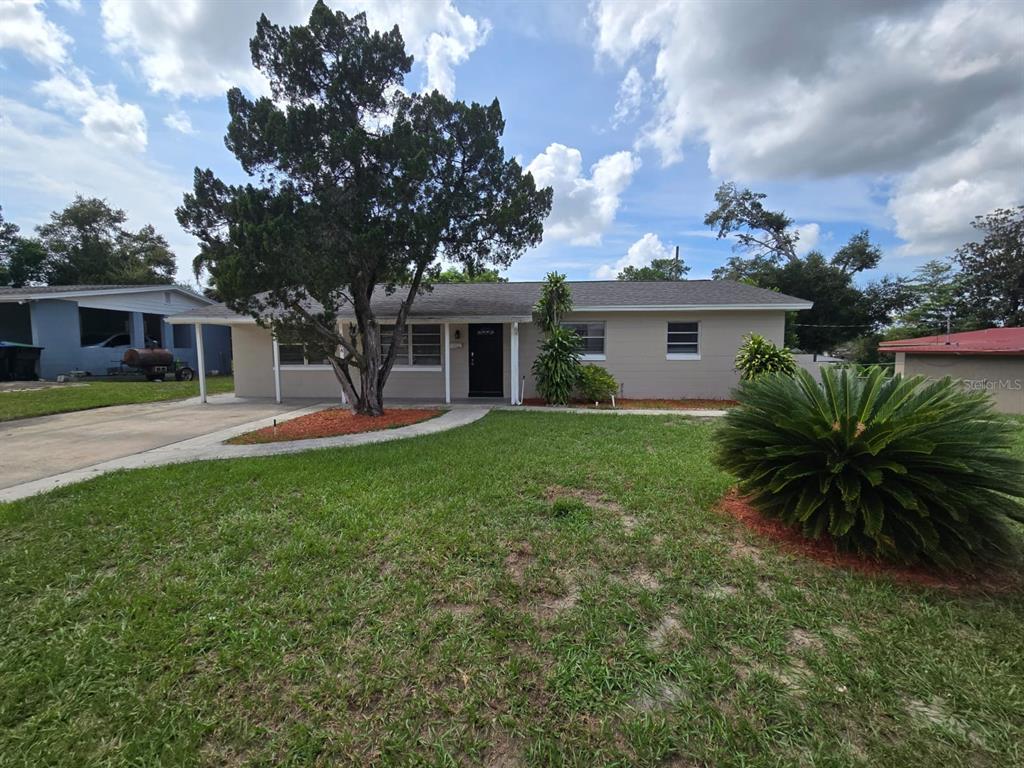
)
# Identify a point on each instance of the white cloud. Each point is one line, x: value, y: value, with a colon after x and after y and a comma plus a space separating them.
x: 934, y: 205
x: 794, y: 90
x: 202, y: 48
x: 583, y: 207
x: 809, y: 235
x: 105, y: 118
x: 631, y: 92
x: 641, y: 253
x: 179, y: 121
x: 46, y: 162
x: 24, y: 27
x: 75, y: 6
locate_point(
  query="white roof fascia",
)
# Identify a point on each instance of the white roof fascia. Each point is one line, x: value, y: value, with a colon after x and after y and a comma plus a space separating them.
x: 696, y: 307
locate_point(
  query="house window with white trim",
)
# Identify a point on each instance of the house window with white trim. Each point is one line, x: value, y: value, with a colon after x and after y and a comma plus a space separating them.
x: 591, y: 339
x: 424, y: 349
x: 291, y: 352
x: 683, y: 341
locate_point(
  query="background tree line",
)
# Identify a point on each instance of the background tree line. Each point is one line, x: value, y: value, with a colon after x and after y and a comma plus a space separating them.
x: 980, y: 285
x: 86, y: 243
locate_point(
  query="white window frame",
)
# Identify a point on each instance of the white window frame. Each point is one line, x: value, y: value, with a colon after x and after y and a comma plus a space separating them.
x: 592, y: 356
x: 683, y: 355
x: 305, y: 365
x: 408, y: 365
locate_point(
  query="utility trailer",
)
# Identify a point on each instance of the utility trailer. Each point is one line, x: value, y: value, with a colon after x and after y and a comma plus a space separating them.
x: 156, y: 364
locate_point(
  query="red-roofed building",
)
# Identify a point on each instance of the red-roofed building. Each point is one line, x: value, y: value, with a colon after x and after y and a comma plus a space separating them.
x: 991, y: 360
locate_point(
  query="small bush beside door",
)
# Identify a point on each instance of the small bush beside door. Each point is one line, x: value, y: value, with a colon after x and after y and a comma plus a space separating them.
x: 596, y: 385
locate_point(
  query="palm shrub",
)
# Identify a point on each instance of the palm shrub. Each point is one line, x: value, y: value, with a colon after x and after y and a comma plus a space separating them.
x: 758, y: 356
x: 557, y: 365
x: 596, y: 384
x: 912, y: 470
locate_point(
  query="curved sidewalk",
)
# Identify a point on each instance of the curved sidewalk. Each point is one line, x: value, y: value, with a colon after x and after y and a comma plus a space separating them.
x: 212, y: 446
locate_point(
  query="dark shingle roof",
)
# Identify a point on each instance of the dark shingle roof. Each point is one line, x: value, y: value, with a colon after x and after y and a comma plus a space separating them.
x: 469, y: 299
x: 517, y: 299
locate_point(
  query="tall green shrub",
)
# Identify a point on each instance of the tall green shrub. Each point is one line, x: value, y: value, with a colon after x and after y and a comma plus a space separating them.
x: 758, y: 356
x: 554, y: 302
x: 557, y: 366
x: 906, y: 469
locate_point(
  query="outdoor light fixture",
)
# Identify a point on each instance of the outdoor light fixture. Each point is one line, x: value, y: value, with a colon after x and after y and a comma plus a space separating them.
x: 458, y: 334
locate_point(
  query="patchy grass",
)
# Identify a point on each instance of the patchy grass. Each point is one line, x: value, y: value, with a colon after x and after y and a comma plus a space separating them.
x: 332, y: 422
x: 533, y: 589
x: 99, y: 394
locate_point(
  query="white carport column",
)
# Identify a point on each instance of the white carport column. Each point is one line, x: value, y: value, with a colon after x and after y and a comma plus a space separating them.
x: 514, y: 365
x: 447, y: 363
x: 201, y: 362
x: 344, y: 355
x: 277, y: 371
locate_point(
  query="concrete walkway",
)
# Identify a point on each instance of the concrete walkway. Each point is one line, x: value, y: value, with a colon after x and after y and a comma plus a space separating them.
x: 211, y: 446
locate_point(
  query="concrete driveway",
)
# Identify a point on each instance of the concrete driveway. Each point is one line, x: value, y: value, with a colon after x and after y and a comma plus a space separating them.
x: 32, y: 449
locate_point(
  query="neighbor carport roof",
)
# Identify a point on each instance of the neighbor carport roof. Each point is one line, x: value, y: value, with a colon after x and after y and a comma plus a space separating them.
x: 516, y: 300
x: 991, y: 341
x: 34, y: 292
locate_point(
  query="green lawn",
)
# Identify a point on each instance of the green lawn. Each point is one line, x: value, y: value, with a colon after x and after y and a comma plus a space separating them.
x: 97, y: 394
x: 533, y: 589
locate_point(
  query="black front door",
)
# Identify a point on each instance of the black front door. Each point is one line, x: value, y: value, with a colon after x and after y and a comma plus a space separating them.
x: 485, y: 360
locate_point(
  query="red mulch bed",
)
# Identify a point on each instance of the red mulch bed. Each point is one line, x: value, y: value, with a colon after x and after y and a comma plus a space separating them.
x: 823, y: 550
x: 333, y: 422
x: 642, y: 404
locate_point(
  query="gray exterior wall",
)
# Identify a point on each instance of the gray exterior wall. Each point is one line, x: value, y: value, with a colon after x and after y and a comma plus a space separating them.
x: 635, y: 353
x: 1002, y: 376
x: 636, y: 346
x: 55, y: 327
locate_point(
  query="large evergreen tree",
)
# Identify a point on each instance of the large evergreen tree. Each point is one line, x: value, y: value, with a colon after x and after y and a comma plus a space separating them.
x: 992, y: 269
x: 357, y: 186
x: 766, y: 237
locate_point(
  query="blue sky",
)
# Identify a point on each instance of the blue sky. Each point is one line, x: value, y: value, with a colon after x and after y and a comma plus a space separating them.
x: 904, y: 118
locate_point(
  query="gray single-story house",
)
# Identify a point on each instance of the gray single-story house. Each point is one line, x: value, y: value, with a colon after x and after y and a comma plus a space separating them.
x: 478, y: 340
x: 89, y: 327
x: 990, y: 360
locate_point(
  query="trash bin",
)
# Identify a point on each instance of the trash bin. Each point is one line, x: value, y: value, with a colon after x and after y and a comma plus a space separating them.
x: 19, y: 362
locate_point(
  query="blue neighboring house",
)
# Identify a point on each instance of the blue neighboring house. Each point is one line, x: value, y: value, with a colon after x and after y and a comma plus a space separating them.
x: 89, y: 327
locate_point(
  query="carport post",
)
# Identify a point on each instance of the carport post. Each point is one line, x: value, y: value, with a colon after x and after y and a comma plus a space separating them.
x: 277, y: 371
x: 513, y: 367
x: 201, y: 362
x: 447, y: 363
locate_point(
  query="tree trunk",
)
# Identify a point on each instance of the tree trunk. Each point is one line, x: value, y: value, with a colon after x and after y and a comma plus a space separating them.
x: 371, y: 397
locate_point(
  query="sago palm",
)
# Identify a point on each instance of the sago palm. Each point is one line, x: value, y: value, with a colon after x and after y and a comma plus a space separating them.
x: 903, y: 468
